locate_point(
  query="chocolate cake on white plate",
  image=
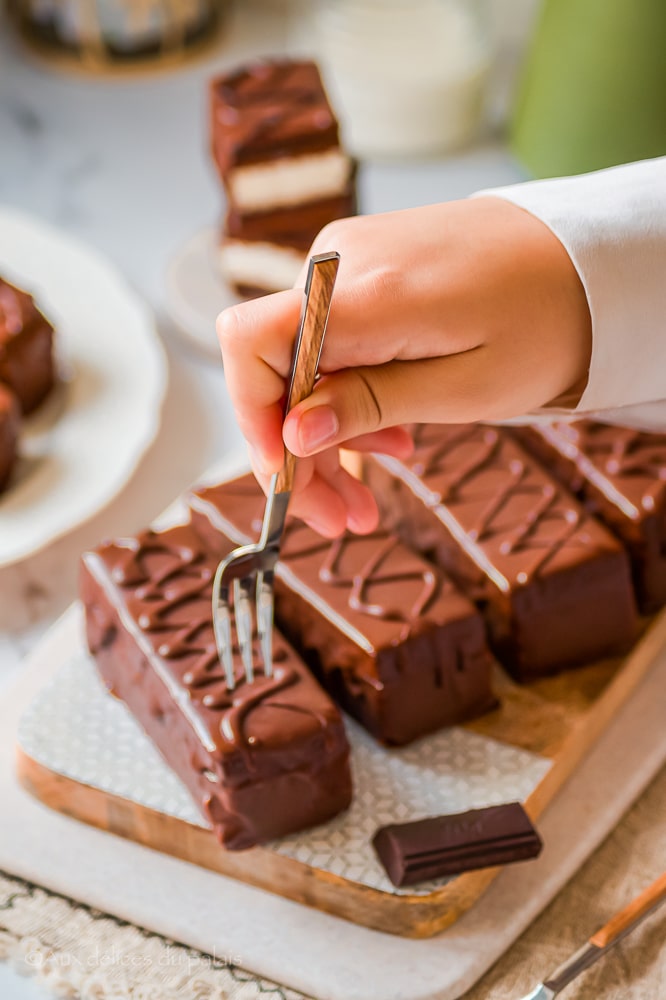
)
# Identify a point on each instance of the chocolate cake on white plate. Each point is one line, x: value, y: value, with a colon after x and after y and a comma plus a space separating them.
x: 276, y: 144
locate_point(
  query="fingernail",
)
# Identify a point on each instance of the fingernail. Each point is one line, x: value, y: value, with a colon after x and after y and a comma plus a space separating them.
x: 316, y: 427
x: 257, y: 460
x: 355, y: 524
x: 319, y: 526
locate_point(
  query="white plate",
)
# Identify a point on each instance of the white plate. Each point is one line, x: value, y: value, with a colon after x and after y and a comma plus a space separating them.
x: 196, y: 293
x: 83, y: 444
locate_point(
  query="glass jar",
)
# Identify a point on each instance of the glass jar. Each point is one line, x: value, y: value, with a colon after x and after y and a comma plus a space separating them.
x: 407, y: 77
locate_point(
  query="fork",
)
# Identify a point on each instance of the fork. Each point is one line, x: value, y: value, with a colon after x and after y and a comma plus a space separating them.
x: 252, y: 566
x: 606, y: 938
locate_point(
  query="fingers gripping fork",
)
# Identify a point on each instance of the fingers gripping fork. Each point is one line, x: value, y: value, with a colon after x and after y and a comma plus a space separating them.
x: 249, y: 570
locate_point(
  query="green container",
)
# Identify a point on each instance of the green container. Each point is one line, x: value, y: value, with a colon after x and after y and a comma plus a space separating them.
x: 593, y: 92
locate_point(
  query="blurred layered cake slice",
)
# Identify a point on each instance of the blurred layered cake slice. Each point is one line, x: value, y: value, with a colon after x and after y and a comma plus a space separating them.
x: 265, y: 253
x: 387, y: 633
x: 275, y: 141
x: 261, y: 760
x: 26, y: 347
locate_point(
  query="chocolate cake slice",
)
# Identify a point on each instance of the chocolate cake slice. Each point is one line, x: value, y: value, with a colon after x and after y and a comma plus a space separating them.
x: 263, y: 760
x: 386, y: 632
x: 26, y: 347
x: 276, y: 146
x: 9, y: 429
x: 553, y: 582
x: 620, y: 475
x: 274, y: 136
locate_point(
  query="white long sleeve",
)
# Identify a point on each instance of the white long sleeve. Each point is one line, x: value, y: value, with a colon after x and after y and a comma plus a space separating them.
x: 613, y: 225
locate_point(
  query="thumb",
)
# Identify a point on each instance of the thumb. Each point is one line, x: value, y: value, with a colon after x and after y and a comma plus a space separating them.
x: 357, y: 401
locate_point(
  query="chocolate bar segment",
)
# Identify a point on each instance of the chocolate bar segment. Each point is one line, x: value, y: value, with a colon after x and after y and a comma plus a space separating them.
x: 26, y: 347
x: 384, y: 631
x: 448, y: 845
x: 620, y: 475
x: 553, y: 582
x: 263, y: 760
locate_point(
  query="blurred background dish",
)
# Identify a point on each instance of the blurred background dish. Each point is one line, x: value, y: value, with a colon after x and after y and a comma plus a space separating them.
x: 83, y: 444
x: 111, y: 36
x: 195, y: 293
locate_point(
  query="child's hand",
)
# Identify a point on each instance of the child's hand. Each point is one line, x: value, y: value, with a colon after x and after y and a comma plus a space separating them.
x: 457, y: 312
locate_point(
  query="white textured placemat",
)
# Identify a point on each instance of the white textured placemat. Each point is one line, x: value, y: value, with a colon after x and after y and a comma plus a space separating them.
x: 76, y: 729
x: 321, y: 955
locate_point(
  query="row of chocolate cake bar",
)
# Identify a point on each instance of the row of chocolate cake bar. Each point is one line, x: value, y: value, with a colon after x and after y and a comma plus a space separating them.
x: 276, y: 146
x: 27, y: 370
x: 481, y: 548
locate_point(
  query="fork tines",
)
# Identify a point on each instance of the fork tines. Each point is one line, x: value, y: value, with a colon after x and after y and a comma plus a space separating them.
x: 251, y: 567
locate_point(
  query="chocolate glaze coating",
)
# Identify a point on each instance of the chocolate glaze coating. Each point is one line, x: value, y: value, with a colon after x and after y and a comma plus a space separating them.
x: 447, y: 845
x: 264, y: 760
x: 9, y: 429
x: 26, y: 347
x: 553, y: 582
x: 294, y: 227
x: 386, y: 632
x: 268, y: 110
x: 620, y: 475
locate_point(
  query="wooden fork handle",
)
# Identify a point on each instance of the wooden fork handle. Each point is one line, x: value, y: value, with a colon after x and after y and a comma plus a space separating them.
x: 618, y: 925
x: 616, y: 928
x: 322, y: 273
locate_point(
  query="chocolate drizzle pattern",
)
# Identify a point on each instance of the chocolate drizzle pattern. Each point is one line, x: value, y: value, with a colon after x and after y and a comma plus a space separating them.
x: 437, y: 459
x: 435, y: 449
x: 370, y: 574
x: 636, y: 458
x: 185, y: 579
x: 301, y: 541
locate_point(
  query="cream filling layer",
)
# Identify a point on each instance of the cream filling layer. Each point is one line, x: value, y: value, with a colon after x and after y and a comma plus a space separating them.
x: 260, y: 187
x: 259, y: 265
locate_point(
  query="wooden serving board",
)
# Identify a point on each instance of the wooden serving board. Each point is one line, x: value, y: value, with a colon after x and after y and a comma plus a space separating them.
x: 74, y: 739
